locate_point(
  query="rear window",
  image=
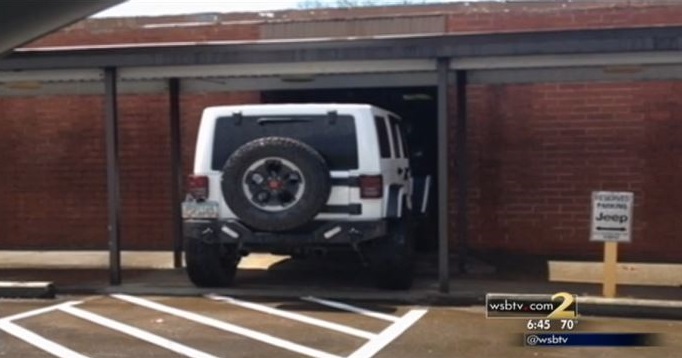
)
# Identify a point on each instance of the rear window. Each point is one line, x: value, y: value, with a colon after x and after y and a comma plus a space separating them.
x: 334, y: 137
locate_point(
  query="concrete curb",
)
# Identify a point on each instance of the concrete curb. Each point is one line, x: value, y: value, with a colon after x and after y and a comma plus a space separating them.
x: 588, y: 306
x: 630, y: 307
x: 35, y: 290
x: 251, y: 293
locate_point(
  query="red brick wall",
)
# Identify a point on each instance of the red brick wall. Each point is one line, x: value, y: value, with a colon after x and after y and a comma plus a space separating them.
x: 145, y: 171
x: 538, y: 151
x: 90, y: 34
x: 537, y: 18
x: 54, y: 171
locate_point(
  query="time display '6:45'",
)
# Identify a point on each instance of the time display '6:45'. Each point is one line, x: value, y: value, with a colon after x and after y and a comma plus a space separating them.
x: 548, y: 324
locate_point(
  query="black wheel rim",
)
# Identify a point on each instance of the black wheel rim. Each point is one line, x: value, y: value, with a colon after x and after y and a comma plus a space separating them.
x: 273, y: 184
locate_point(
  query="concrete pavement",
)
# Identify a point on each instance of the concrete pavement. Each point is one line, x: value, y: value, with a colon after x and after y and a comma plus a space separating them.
x: 144, y: 326
x: 93, y: 260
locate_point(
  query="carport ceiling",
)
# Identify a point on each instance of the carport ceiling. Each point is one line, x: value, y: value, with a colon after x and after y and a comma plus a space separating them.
x: 26, y: 20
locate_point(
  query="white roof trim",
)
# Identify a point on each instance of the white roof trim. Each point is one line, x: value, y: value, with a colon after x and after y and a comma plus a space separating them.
x: 80, y: 75
x: 281, y: 69
x: 573, y: 60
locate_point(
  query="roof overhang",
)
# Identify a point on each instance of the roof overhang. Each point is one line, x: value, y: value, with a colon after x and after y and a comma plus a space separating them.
x: 24, y: 21
x: 456, y: 46
x: 611, y: 54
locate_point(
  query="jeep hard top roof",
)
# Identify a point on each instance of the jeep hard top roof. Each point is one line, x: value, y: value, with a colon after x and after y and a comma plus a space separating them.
x: 293, y: 109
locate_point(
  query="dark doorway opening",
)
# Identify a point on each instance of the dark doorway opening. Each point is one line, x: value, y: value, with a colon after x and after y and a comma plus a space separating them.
x: 417, y: 106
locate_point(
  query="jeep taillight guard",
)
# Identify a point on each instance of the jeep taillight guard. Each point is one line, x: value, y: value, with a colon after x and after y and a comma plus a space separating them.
x: 371, y: 187
x: 197, y: 187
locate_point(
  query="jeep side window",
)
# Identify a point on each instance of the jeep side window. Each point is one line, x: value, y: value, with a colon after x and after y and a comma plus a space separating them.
x: 397, y: 138
x: 403, y: 139
x: 382, y: 134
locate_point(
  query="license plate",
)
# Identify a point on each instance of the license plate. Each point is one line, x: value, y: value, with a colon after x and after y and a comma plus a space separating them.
x: 202, y: 210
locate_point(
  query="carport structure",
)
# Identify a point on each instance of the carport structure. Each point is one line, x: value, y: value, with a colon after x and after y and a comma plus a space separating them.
x: 445, y: 61
x: 42, y: 17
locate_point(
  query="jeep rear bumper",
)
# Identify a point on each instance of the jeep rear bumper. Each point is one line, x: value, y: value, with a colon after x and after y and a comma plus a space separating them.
x: 329, y: 233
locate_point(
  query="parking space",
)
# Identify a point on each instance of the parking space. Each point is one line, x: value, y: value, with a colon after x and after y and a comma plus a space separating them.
x: 211, y: 326
x: 220, y: 326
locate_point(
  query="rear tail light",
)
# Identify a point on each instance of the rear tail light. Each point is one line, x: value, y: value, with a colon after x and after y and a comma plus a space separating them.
x: 371, y: 187
x: 197, y: 187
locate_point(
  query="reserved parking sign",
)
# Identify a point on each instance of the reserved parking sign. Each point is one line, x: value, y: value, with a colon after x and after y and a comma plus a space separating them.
x: 611, y: 216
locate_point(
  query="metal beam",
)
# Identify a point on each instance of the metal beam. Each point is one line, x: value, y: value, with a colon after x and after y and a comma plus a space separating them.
x: 505, y: 76
x: 462, y: 219
x: 625, y: 73
x: 46, y: 76
x: 566, y: 60
x: 282, y: 69
x: 207, y: 85
x: 611, y: 74
x: 630, y: 40
x: 113, y: 184
x: 313, y: 82
x: 338, y: 70
x: 443, y: 243
x: 176, y: 168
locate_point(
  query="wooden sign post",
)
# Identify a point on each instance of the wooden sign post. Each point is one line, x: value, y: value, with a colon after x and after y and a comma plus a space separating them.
x: 610, y: 266
x: 611, y: 224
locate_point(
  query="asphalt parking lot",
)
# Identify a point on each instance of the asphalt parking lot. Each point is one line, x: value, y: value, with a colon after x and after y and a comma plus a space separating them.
x: 219, y: 326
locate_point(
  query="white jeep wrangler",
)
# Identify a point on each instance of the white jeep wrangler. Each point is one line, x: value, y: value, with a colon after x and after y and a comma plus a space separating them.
x: 299, y: 178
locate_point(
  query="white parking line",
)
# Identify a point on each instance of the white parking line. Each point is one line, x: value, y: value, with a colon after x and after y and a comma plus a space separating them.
x: 136, y: 332
x: 388, y: 335
x: 255, y: 335
x: 38, y: 341
x: 296, y: 317
x: 38, y: 311
x: 350, y: 308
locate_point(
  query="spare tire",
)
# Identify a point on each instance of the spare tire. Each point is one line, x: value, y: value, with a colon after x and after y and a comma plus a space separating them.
x: 276, y: 183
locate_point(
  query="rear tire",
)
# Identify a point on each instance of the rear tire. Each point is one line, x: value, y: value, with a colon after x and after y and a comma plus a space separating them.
x: 311, y: 189
x: 392, y: 257
x: 210, y: 264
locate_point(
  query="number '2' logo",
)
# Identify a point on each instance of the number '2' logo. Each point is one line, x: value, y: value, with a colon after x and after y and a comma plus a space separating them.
x: 560, y: 312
